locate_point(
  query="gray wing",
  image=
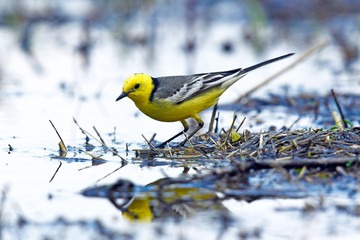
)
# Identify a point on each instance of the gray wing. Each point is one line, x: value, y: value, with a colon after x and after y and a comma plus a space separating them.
x: 166, y: 87
x: 177, y: 89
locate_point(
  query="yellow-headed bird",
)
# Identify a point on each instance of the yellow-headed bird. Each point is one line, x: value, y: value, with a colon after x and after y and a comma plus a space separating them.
x: 176, y: 98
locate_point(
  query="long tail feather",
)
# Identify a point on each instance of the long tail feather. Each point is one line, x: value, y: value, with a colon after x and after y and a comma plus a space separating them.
x: 246, y: 70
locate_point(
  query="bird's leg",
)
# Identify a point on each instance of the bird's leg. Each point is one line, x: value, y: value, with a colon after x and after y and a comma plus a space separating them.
x: 186, y: 128
x: 201, y: 124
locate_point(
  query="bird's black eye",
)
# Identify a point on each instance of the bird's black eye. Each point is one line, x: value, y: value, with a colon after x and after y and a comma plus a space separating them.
x: 137, y: 86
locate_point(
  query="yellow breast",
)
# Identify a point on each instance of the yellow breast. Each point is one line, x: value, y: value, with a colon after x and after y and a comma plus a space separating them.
x: 165, y: 111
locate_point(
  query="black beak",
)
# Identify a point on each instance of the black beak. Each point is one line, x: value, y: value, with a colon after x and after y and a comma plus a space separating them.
x: 122, y: 95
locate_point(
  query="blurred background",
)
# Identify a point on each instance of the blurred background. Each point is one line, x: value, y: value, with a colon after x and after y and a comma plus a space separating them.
x: 83, y: 50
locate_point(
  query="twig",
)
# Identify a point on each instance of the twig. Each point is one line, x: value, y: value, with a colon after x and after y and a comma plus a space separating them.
x: 82, y: 130
x: 339, y: 107
x: 152, y: 138
x: 242, y: 122
x: 341, y: 170
x: 232, y: 125
x: 92, y: 155
x: 188, y: 140
x: 60, y: 163
x: 117, y: 169
x: 337, y: 118
x: 169, y: 150
x: 295, y: 144
x: 101, y: 139
x: 301, y: 173
x: 62, y: 146
x: 216, y: 143
x: 300, y: 59
x: 111, y: 150
x: 274, y: 135
x: 261, y: 141
x: 56, y: 131
x: 150, y: 145
x: 297, y: 120
x: 232, y: 153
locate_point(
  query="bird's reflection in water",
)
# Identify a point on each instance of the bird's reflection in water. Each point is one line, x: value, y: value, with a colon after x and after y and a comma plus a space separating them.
x: 164, y: 198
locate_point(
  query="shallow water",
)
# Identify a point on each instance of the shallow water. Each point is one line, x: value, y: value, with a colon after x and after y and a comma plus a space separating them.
x: 42, y: 200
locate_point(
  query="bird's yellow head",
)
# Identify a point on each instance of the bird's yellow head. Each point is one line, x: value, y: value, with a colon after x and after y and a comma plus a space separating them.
x: 137, y: 87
